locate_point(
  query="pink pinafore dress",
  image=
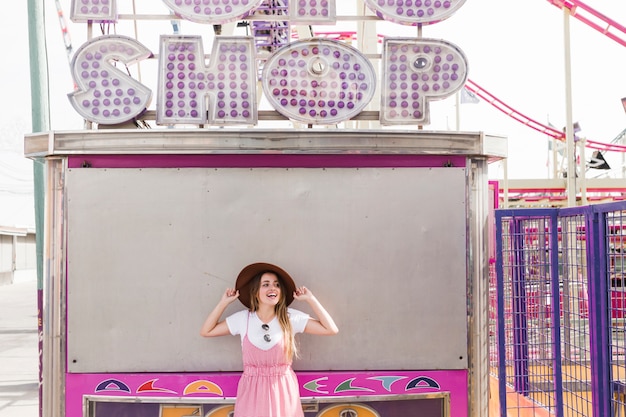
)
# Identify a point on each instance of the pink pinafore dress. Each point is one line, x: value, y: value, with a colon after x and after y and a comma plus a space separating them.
x: 268, y: 386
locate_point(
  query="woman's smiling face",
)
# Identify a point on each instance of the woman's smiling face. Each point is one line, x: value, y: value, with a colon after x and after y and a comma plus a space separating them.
x: 269, y: 289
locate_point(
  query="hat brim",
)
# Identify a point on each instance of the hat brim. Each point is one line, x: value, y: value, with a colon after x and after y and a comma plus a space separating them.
x: 252, y: 270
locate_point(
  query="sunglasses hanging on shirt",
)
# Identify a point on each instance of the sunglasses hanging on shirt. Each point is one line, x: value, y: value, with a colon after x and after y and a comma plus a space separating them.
x: 266, y: 336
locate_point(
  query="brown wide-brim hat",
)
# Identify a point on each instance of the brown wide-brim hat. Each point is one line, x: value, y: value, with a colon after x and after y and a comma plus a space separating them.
x: 252, y: 270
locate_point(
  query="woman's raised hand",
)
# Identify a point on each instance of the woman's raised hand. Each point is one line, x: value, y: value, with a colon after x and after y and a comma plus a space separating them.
x: 302, y: 294
x: 230, y: 295
x: 212, y: 326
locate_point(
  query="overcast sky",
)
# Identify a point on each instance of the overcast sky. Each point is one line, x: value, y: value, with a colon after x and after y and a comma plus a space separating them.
x: 514, y: 49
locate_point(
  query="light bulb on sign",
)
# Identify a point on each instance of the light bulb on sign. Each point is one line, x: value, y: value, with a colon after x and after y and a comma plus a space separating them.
x: 313, y: 12
x: 414, y: 12
x: 416, y: 71
x: 100, y: 11
x: 318, y: 81
x: 187, y: 85
x: 213, y: 12
x: 106, y: 95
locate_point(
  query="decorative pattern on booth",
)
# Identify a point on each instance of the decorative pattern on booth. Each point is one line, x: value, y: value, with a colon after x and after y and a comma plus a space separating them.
x: 373, y: 384
x: 150, y: 387
x: 414, y: 12
x: 185, y: 80
x: 415, y: 72
x: 106, y: 94
x: 226, y: 385
x: 318, y: 81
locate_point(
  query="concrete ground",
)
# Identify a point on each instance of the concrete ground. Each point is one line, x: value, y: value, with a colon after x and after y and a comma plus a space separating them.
x: 19, y: 359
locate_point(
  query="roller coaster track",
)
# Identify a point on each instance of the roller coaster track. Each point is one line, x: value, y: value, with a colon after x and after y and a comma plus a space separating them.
x: 511, y: 112
x: 594, y: 19
x: 597, y: 21
x: 539, y: 127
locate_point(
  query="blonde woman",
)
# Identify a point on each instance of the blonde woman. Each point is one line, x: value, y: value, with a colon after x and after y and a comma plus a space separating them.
x: 268, y: 385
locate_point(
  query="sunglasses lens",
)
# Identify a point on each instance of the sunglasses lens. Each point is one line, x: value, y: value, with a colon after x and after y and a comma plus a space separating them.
x: 266, y: 336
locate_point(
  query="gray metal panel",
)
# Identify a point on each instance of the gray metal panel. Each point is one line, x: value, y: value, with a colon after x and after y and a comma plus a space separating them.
x: 150, y: 251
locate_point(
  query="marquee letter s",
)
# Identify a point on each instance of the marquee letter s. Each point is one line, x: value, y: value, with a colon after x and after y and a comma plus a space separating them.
x: 107, y: 95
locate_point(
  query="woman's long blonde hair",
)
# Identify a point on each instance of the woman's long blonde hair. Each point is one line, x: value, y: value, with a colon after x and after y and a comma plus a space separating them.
x: 280, y: 310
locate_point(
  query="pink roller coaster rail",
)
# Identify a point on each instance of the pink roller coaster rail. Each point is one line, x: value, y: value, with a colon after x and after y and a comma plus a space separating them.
x: 592, y: 18
x: 540, y: 127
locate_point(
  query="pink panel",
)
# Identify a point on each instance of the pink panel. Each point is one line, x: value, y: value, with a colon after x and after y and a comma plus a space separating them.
x: 152, y: 387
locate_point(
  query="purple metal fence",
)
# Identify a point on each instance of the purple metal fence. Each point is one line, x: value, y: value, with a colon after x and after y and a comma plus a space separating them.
x: 558, y: 311
x: 612, y: 294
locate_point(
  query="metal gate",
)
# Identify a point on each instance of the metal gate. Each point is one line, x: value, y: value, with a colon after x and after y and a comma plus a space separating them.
x: 558, y: 311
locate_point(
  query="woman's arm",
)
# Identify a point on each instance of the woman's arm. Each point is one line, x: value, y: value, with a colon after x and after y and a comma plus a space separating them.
x: 212, y: 326
x: 324, y: 324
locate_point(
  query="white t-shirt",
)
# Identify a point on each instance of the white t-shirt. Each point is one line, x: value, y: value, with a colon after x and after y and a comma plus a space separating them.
x: 238, y: 322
